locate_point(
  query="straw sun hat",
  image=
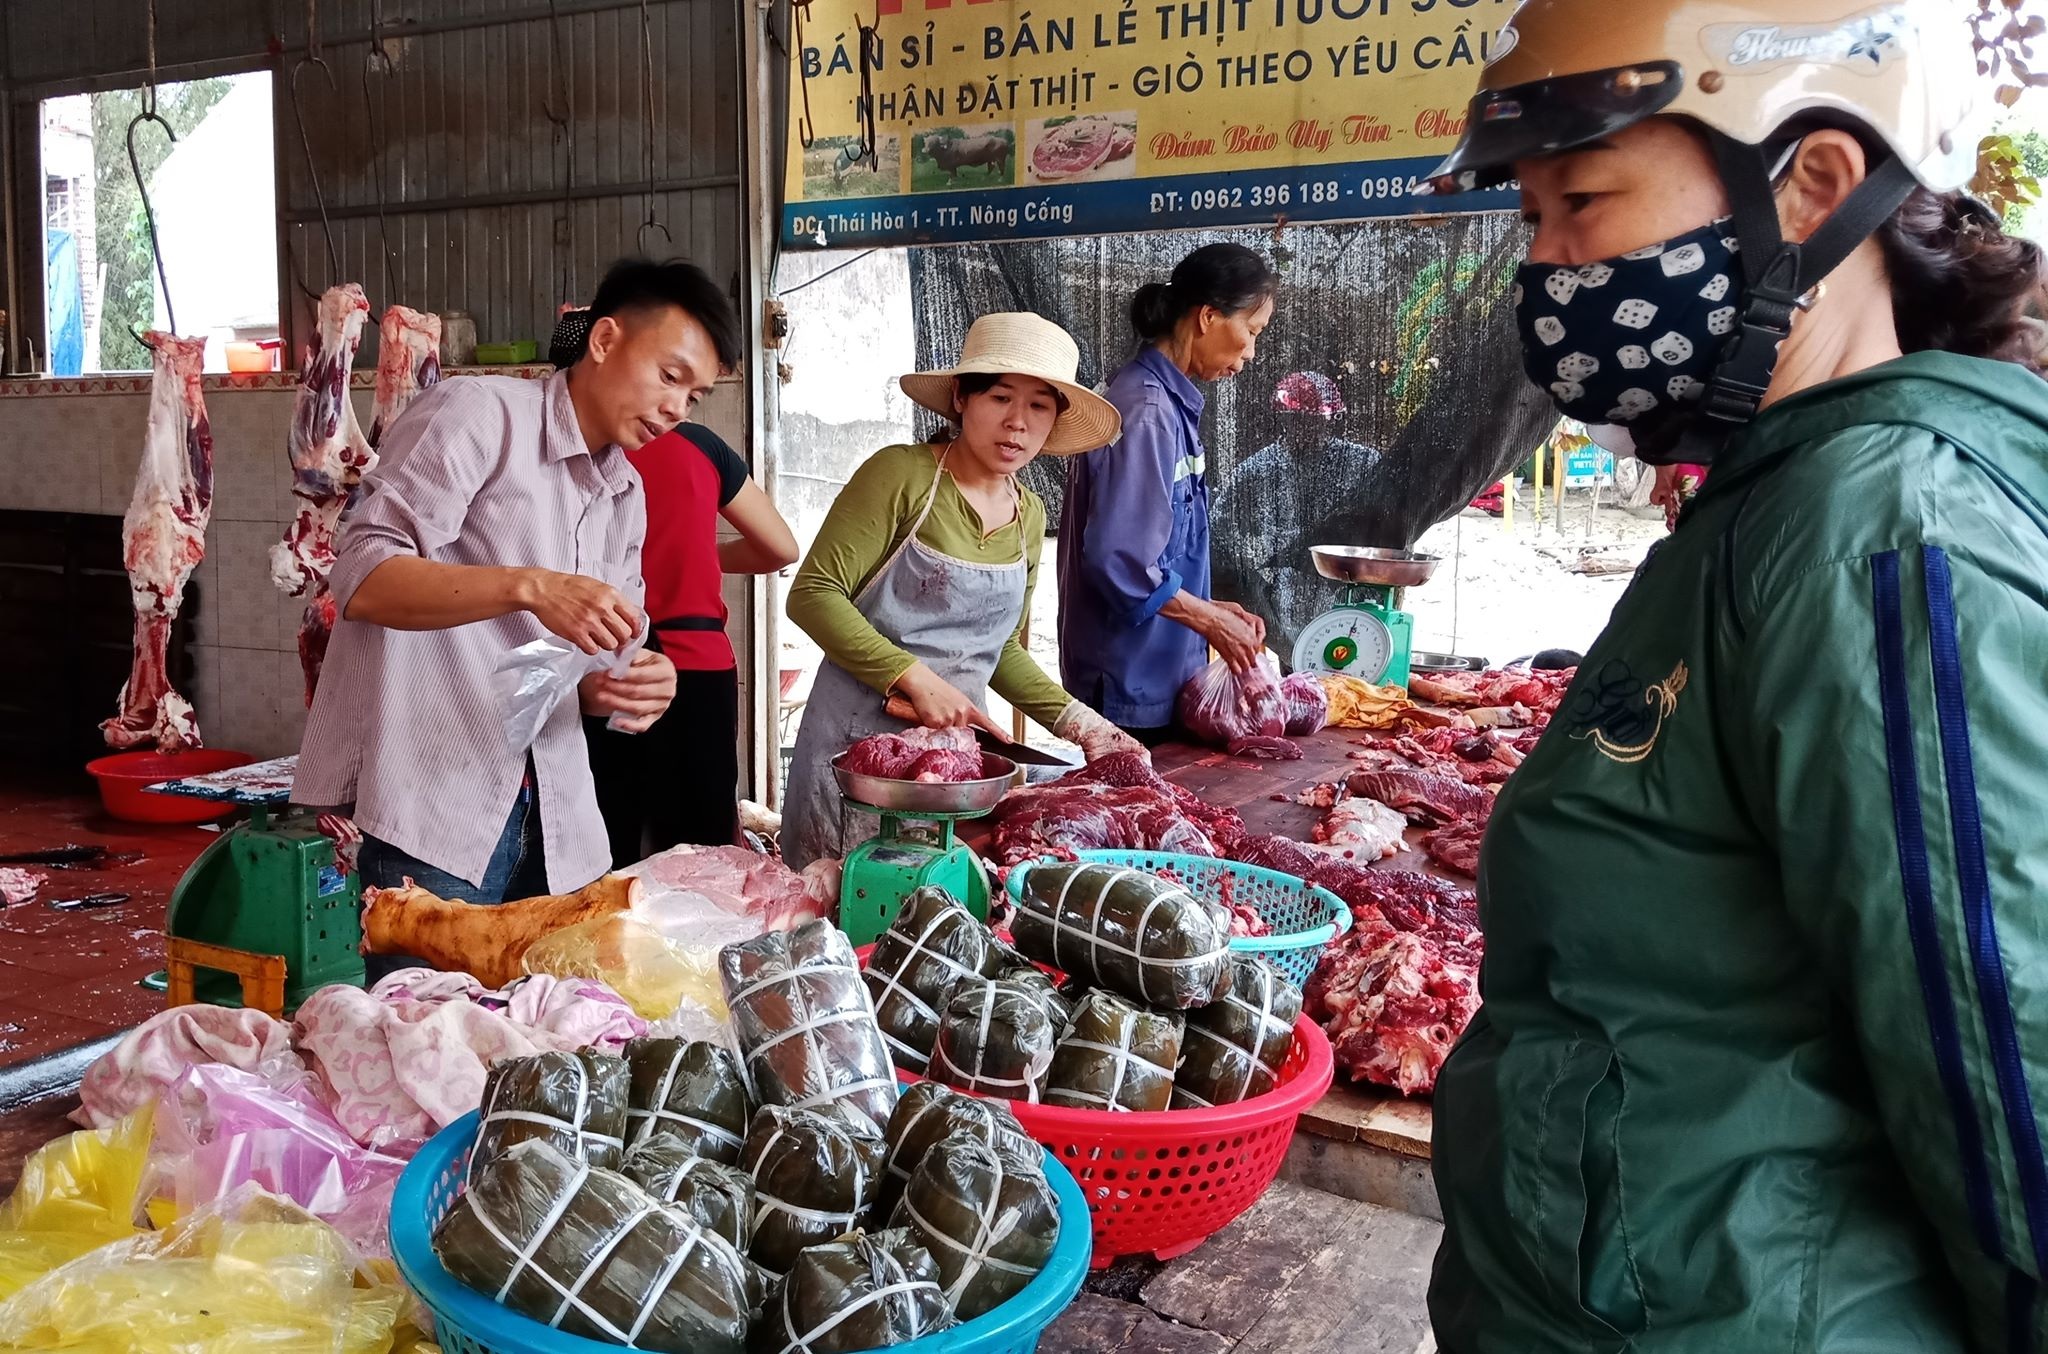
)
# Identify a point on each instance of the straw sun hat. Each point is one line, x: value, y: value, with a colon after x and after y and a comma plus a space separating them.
x: 1019, y: 343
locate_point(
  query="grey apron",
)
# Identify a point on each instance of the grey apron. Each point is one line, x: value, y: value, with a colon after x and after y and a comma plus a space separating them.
x: 955, y: 616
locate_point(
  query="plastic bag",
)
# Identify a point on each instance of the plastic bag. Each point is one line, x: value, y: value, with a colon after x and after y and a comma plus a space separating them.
x: 577, y: 1101
x: 1117, y: 1056
x: 1307, y: 703
x: 716, y: 1196
x: 932, y: 945
x: 1127, y: 930
x: 588, y: 1252
x: 1233, y: 1050
x: 250, y: 1271
x: 692, y: 1091
x: 995, y: 1039
x: 805, y: 1026
x: 814, y: 1180
x: 1220, y: 707
x: 627, y: 954
x: 987, y: 1216
x: 930, y: 1113
x: 707, y: 897
x: 76, y: 1193
x: 865, y: 1292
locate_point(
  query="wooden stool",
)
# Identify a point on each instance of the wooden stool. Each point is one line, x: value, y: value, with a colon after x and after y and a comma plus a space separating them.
x: 262, y: 975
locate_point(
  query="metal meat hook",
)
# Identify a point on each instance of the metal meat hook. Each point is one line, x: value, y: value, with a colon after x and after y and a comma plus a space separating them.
x: 312, y: 169
x: 149, y: 114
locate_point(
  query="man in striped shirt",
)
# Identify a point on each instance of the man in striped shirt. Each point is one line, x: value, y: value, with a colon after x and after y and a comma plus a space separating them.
x: 503, y: 511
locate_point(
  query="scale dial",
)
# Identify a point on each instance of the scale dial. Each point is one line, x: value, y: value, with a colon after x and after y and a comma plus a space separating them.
x: 1346, y: 642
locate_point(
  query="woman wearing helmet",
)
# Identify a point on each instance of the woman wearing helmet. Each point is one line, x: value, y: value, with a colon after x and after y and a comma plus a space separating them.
x: 1764, y: 1049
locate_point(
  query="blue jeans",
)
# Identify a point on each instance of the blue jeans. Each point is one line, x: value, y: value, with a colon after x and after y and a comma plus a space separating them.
x: 517, y: 869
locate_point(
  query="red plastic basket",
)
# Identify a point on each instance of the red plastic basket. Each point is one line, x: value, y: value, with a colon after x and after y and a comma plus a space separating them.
x: 1165, y: 1182
x: 125, y: 778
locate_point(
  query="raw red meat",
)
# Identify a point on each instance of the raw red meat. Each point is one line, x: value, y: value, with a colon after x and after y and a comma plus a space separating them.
x: 1406, y: 899
x: 329, y: 457
x: 1429, y: 800
x: 1114, y: 803
x: 408, y: 362
x: 1266, y: 749
x: 917, y: 754
x: 1079, y: 146
x: 1393, y: 1002
x: 1541, y: 691
x: 1219, y: 707
x: 1455, y: 846
x: 1307, y: 704
x: 163, y: 538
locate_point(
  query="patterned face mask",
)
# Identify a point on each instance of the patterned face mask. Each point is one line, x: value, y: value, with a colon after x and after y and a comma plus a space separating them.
x: 1637, y: 336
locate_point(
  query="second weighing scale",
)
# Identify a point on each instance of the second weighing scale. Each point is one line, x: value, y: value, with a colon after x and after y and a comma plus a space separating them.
x: 1366, y: 634
x: 916, y: 847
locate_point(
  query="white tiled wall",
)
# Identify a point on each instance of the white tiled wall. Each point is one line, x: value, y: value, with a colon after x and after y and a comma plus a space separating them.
x: 79, y: 453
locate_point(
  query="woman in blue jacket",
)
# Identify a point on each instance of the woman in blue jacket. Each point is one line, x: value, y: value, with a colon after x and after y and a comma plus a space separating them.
x: 1136, y: 618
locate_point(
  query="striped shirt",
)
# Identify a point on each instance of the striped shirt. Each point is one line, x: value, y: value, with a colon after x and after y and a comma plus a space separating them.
x: 407, y: 725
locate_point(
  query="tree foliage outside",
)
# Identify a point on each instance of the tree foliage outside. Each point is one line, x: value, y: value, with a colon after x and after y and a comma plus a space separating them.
x: 129, y: 302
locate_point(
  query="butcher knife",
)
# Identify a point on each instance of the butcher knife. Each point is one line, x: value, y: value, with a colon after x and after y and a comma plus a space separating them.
x: 1023, y: 755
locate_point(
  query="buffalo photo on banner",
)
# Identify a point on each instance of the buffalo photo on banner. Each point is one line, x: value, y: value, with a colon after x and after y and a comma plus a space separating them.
x: 932, y: 122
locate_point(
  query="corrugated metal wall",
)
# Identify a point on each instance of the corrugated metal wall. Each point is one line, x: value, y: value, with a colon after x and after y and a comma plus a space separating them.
x: 488, y: 205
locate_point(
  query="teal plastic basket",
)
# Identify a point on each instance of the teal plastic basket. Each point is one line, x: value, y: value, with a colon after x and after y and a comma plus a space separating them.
x: 1304, y: 917
x: 468, y: 1322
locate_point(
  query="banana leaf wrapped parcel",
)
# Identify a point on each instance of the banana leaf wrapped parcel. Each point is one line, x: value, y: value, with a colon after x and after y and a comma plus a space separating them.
x: 805, y: 1025
x: 927, y: 1115
x: 1127, y: 930
x: 1233, y: 1049
x: 1057, y: 1000
x: 1116, y: 1056
x: 995, y: 1039
x: 588, y: 1252
x: 717, y: 1196
x: 692, y: 1090
x: 868, y: 1291
x: 988, y: 1217
x: 815, y: 1177
x: 931, y: 946
x: 577, y: 1101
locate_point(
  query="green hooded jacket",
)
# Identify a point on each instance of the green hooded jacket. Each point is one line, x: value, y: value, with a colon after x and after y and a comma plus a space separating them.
x: 1764, y: 1051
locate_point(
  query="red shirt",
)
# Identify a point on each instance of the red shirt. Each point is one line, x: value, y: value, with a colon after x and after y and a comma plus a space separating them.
x: 690, y: 474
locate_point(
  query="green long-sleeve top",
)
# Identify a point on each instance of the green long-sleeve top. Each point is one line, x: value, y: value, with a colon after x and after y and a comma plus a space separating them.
x: 868, y: 521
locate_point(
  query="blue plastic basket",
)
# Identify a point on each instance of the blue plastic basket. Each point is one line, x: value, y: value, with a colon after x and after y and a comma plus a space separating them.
x: 1304, y: 916
x: 468, y: 1322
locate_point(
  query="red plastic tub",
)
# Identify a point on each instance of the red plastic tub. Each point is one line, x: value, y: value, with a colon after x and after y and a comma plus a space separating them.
x: 125, y: 779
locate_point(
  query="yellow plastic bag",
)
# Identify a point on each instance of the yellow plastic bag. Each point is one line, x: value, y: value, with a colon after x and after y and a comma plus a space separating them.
x: 77, y: 1193
x: 251, y: 1271
x: 626, y: 954
x: 1355, y: 704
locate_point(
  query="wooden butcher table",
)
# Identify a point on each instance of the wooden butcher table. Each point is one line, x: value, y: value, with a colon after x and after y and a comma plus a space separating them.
x: 1363, y: 1142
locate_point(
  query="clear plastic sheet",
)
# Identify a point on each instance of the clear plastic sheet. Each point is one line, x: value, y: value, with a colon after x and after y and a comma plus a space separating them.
x: 76, y: 1193
x: 591, y: 1253
x: 717, y: 1196
x: 691, y: 1090
x: 987, y: 1216
x: 804, y: 1024
x: 927, y: 1115
x: 577, y: 1101
x: 928, y: 949
x: 1308, y: 704
x: 1233, y: 1049
x: 865, y: 1292
x: 658, y: 978
x: 706, y: 897
x: 1127, y: 930
x: 995, y: 1039
x: 1220, y: 707
x: 814, y: 1180
x: 1116, y: 1056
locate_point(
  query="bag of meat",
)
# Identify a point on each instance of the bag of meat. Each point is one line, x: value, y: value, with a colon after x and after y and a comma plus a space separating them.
x: 1220, y: 707
x: 1307, y: 704
x: 577, y: 1101
x: 995, y: 1039
x: 1233, y: 1049
x: 863, y: 1292
x: 1117, y: 1056
x: 715, y: 1196
x: 589, y: 1253
x: 1126, y: 930
x: 987, y: 1216
x: 814, y: 1180
x: 930, y: 1113
x: 692, y: 1091
x: 804, y: 1024
x: 932, y: 945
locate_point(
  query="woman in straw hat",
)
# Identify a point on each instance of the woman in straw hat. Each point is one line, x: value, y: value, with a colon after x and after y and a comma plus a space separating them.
x: 921, y: 576
x: 1764, y: 1049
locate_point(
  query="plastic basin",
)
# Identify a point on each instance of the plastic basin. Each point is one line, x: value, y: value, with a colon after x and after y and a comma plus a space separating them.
x: 125, y: 778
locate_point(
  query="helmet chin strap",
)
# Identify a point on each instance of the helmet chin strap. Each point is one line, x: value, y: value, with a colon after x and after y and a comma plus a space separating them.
x: 1778, y: 274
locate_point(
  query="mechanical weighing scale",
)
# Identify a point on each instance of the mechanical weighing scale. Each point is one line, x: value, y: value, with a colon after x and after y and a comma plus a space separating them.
x: 916, y: 847
x: 1366, y: 634
x: 267, y: 887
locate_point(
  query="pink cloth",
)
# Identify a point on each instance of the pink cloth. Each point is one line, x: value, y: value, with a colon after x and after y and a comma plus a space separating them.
x: 159, y: 1051
x: 409, y: 1059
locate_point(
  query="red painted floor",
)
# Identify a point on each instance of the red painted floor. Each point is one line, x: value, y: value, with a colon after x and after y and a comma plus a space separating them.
x: 69, y: 978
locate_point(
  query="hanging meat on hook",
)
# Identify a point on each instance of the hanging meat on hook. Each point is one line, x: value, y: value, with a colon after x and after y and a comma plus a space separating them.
x: 408, y: 361
x: 329, y: 456
x: 163, y: 538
